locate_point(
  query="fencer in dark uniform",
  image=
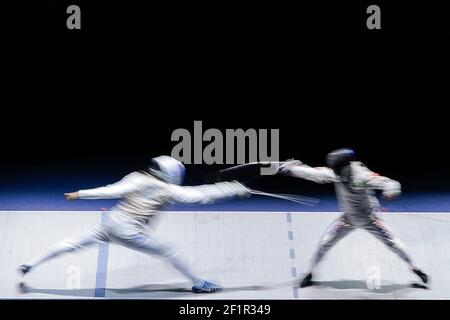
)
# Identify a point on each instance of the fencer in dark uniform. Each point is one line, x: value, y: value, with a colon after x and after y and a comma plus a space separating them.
x: 354, y: 185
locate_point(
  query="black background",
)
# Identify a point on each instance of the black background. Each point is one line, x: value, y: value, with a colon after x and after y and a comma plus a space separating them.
x: 107, y: 97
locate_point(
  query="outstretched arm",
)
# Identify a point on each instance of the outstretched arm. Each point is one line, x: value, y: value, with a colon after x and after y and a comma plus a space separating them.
x: 299, y: 170
x: 209, y: 193
x: 130, y: 183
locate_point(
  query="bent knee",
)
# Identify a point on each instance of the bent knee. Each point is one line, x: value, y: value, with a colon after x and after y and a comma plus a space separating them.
x: 325, y: 245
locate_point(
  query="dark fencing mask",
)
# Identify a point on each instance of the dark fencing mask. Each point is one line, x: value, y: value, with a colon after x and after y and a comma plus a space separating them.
x: 339, y: 160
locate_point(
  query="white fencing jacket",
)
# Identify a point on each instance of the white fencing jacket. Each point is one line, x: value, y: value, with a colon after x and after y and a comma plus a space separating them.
x: 143, y: 195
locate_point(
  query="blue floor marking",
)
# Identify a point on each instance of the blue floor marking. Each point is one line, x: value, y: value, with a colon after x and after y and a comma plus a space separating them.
x: 292, y: 253
x: 294, y: 272
x: 288, y: 217
x: 290, y: 236
x: 102, y: 266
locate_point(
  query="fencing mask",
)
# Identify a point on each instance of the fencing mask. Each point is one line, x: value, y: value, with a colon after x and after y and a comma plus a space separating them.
x: 339, y: 160
x: 168, y: 169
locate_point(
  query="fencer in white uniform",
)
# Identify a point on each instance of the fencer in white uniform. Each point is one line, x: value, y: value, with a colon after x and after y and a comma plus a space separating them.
x: 143, y: 194
x: 354, y: 185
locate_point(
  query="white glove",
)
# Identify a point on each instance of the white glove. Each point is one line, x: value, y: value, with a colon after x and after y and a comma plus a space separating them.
x: 285, y: 167
x: 392, y: 190
x: 240, y: 190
